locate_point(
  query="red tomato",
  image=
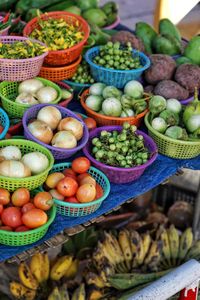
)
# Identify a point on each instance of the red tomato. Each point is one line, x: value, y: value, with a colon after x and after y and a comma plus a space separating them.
x: 27, y: 207
x: 43, y: 200
x: 69, y: 173
x: 71, y: 200
x: 81, y: 165
x: 4, y: 196
x: 87, y: 179
x: 99, y: 191
x: 53, y: 179
x: 67, y: 187
x: 90, y: 123
x: 21, y: 229
x: 20, y: 197
x: 34, y: 218
x: 86, y: 193
x: 1, y: 209
x: 12, y: 217
x: 7, y: 228
x: 81, y: 176
x: 54, y: 193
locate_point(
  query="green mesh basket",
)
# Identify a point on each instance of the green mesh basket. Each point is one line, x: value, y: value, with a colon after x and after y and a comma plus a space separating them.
x: 171, y: 147
x: 10, y: 238
x: 31, y: 182
x: 83, y: 209
x: 9, y: 92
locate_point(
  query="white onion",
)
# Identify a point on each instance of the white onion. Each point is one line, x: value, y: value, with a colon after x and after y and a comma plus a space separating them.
x: 46, y: 94
x: 41, y: 131
x: 50, y: 115
x: 36, y: 161
x: 72, y: 125
x: 25, y: 98
x: 11, y: 153
x: 14, y: 168
x: 30, y: 86
x: 64, y: 139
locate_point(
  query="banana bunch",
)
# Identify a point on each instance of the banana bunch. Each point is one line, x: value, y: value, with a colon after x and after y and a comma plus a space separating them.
x: 34, y: 277
x: 177, y: 248
x: 62, y: 293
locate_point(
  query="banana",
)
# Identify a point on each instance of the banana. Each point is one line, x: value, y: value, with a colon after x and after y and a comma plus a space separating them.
x: 46, y: 267
x: 64, y: 292
x: 135, y: 241
x: 154, y: 255
x: 60, y: 267
x: 124, y: 242
x: 145, y: 243
x: 114, y: 246
x: 26, y: 277
x: 194, y: 251
x: 95, y: 295
x: 166, y: 247
x: 173, y: 243
x: 79, y: 293
x: 186, y: 241
x: 55, y: 294
x: 72, y: 270
x: 102, y: 255
x: 17, y: 289
x: 36, y: 266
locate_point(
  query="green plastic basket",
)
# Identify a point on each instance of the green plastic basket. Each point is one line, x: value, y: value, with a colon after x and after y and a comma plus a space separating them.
x: 83, y: 209
x: 171, y: 147
x: 31, y: 182
x: 9, y: 92
x: 10, y: 238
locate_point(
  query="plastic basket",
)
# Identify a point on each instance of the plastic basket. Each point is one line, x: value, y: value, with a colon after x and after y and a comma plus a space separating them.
x: 58, y: 153
x: 4, y: 32
x: 121, y: 175
x: 187, y: 101
x: 103, y: 120
x: 77, y: 87
x: 9, y: 92
x: 61, y: 57
x: 114, y: 24
x: 15, y: 129
x: 10, y: 238
x: 118, y: 78
x: 82, y: 209
x: 60, y: 73
x: 65, y: 86
x: 4, y: 122
x: 31, y: 182
x: 171, y: 147
x: 19, y: 69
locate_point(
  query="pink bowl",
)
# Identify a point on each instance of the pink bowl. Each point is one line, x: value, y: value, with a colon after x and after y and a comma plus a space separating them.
x: 113, y: 25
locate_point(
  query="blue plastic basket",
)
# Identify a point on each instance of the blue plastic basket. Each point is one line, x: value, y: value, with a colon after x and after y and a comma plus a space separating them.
x: 82, y: 209
x: 118, y: 78
x: 77, y: 87
x: 4, y: 122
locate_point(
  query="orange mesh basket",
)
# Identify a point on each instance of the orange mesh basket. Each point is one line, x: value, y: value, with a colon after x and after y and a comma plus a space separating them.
x: 60, y: 73
x: 61, y: 57
x: 103, y: 120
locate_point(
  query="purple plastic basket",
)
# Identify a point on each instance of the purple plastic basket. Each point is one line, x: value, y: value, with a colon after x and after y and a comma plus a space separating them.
x: 187, y: 101
x: 121, y: 175
x: 4, y: 32
x: 58, y: 153
x: 20, y: 69
x: 113, y: 25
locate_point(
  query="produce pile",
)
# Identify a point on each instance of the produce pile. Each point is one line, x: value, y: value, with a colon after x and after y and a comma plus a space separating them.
x: 82, y: 74
x: 173, y: 120
x: 110, y: 101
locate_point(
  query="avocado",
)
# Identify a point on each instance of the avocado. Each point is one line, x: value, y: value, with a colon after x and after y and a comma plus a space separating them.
x: 146, y: 33
x: 166, y: 45
x: 167, y: 27
x: 192, y: 50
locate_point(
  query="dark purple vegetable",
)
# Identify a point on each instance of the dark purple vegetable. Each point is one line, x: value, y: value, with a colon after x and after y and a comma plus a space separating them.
x: 188, y: 76
x: 170, y: 89
x: 181, y: 214
x: 125, y: 36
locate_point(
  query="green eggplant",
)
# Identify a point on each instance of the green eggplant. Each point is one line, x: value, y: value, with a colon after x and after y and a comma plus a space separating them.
x: 193, y: 108
x: 167, y: 27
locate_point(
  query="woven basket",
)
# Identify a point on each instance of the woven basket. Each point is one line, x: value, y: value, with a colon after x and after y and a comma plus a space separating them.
x: 103, y: 120
x: 82, y: 209
x: 9, y: 92
x: 61, y: 57
x: 10, y: 238
x: 19, y: 69
x: 171, y: 147
x: 58, y: 153
x: 4, y: 122
x: 32, y: 182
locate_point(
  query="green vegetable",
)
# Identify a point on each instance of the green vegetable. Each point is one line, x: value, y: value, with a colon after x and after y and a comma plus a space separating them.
x: 147, y: 34
x: 134, y: 89
x: 94, y: 102
x: 111, y: 11
x: 65, y: 94
x: 83, y: 74
x: 64, y: 5
x: 183, y: 60
x: 167, y: 27
x: 87, y: 4
x: 100, y: 37
x: 130, y: 280
x: 112, y: 107
x: 95, y: 16
x: 111, y: 91
x: 193, y: 123
x: 192, y: 50
x: 177, y: 133
x: 24, y: 5
x: 159, y: 124
x: 174, y: 106
x: 193, y: 108
x: 32, y: 13
x: 5, y: 5
x: 157, y: 104
x: 97, y: 88
x: 170, y: 117
x: 126, y: 101
x: 74, y: 10
x: 166, y: 45
x: 127, y: 112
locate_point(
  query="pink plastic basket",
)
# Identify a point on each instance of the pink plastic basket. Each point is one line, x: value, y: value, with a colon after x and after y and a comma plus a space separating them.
x: 114, y: 24
x: 20, y: 69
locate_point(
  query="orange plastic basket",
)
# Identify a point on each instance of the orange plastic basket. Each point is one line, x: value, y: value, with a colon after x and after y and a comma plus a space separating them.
x: 103, y: 120
x: 60, y: 73
x: 61, y: 57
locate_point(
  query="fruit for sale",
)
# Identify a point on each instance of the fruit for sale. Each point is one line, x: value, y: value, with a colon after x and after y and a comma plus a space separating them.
x: 146, y: 33
x: 20, y: 197
x: 60, y: 267
x: 4, y: 196
x: 174, y: 243
x: 26, y: 276
x: 43, y: 200
x: 124, y: 242
x: 166, y: 246
x: 34, y: 218
x: 186, y: 241
x: 167, y: 27
x: 21, y: 292
x: 79, y: 293
x: 81, y: 165
x: 67, y: 187
x: 53, y: 179
x: 192, y: 50
x: 11, y: 216
x: 86, y: 193
x: 72, y: 270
